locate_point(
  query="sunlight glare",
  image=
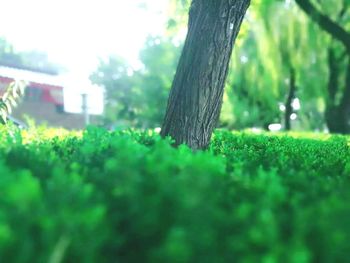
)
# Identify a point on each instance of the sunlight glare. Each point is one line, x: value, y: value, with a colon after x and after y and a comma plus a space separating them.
x: 77, y: 33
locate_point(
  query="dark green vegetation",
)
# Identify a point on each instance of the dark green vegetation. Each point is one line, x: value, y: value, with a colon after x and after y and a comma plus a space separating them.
x: 131, y: 197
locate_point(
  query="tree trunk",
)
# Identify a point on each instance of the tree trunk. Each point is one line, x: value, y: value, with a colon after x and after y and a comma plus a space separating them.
x: 337, y: 114
x: 196, y: 95
x: 289, y: 102
x: 336, y: 121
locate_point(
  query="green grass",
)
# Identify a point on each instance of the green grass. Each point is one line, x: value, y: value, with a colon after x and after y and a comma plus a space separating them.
x: 99, y: 196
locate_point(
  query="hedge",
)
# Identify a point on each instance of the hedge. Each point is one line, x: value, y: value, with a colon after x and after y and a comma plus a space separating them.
x: 129, y: 196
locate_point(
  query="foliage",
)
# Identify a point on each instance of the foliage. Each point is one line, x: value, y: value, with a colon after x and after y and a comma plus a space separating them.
x: 278, y: 38
x: 128, y: 196
x: 9, y: 99
x: 178, y: 15
x: 138, y: 97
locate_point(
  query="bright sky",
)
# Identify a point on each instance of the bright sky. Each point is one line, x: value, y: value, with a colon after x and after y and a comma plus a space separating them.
x: 75, y: 33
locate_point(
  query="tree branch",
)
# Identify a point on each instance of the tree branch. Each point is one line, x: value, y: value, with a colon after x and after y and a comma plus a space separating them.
x: 325, y: 23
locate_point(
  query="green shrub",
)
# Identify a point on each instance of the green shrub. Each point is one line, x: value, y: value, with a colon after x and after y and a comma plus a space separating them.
x: 129, y: 196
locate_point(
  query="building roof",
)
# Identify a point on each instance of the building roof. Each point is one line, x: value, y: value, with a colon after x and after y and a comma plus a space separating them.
x: 31, y: 76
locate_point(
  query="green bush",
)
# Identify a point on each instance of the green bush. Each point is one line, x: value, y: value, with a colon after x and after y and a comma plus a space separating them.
x: 106, y: 196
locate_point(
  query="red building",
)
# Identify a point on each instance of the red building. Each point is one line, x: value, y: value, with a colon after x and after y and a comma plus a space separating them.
x: 43, y: 100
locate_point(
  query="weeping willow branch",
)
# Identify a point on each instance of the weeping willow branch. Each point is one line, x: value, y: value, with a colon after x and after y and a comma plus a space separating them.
x: 13, y: 93
x: 331, y: 27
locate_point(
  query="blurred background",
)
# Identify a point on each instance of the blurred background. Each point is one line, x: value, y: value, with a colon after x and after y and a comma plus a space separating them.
x: 111, y: 63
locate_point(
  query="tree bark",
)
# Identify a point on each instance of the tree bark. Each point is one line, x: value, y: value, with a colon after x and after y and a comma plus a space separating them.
x: 196, y: 95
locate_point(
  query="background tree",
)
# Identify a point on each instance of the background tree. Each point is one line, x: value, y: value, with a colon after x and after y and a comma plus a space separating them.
x: 281, y: 49
x: 137, y: 98
x: 336, y: 25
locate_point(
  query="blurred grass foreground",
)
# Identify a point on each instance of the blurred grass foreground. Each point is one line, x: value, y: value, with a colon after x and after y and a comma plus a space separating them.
x: 99, y: 196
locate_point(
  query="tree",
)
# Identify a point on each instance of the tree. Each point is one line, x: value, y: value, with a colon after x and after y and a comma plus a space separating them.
x: 118, y: 80
x: 338, y: 101
x: 197, y: 91
x: 138, y: 98
x: 284, y: 56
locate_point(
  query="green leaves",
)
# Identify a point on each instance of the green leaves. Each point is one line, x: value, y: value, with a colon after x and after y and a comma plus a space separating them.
x: 13, y: 93
x: 130, y: 196
x: 138, y: 98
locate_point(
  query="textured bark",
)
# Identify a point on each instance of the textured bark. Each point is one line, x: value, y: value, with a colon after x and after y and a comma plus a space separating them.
x: 196, y: 95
